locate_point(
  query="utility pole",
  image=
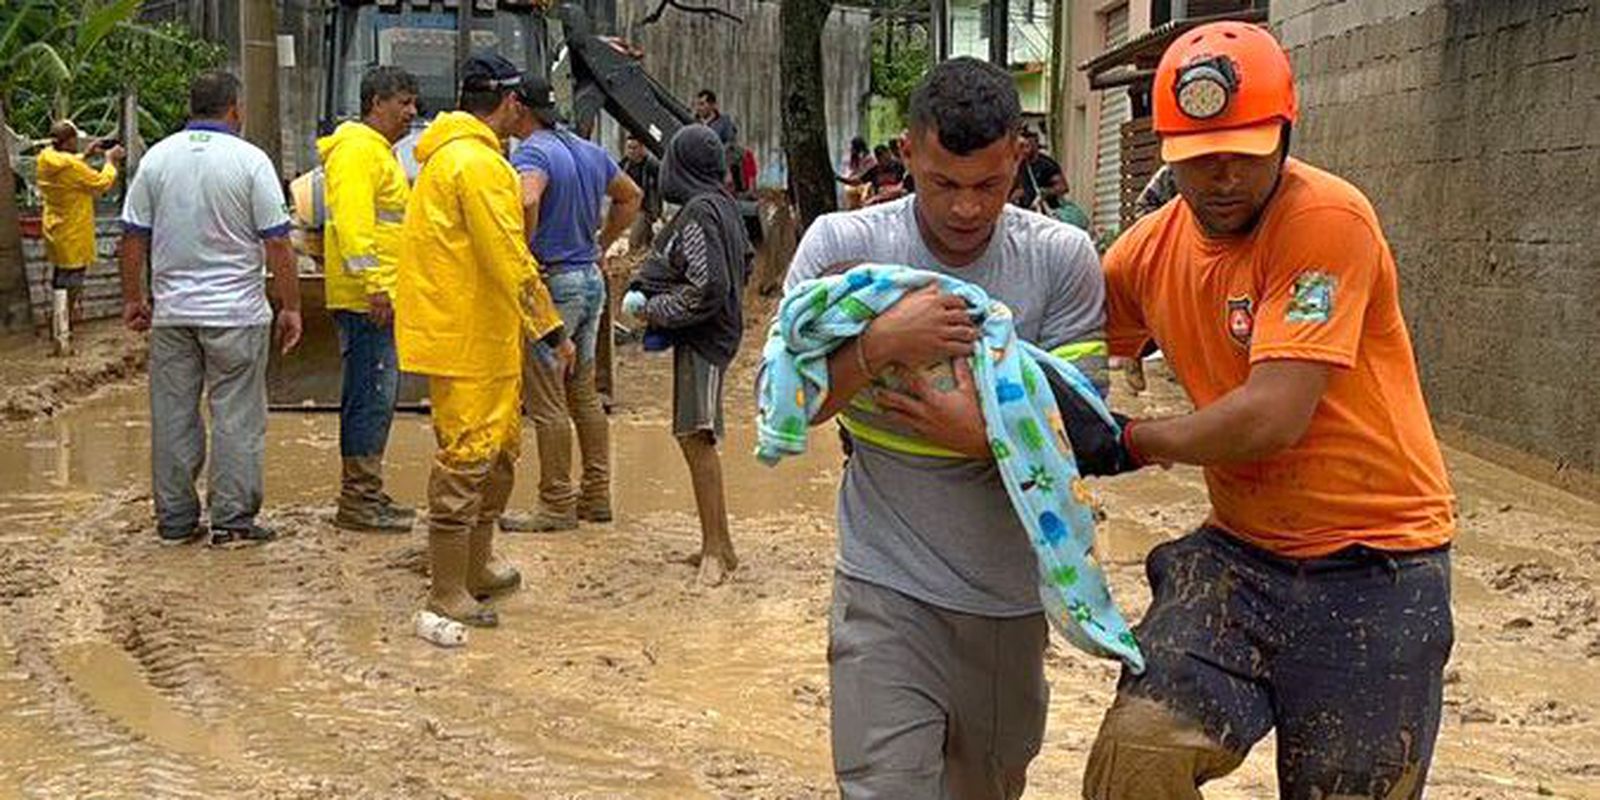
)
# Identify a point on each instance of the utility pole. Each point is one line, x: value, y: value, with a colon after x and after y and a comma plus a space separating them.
x: 258, y: 30
x: 1000, y: 33
x: 939, y: 29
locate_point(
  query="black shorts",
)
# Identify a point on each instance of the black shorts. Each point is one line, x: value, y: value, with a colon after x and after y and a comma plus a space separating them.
x: 68, y: 277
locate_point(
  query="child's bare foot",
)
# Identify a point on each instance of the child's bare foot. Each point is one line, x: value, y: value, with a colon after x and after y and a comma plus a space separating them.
x: 714, y: 567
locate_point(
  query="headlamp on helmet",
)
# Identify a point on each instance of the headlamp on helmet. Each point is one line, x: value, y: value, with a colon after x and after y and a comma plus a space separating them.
x: 1205, y: 88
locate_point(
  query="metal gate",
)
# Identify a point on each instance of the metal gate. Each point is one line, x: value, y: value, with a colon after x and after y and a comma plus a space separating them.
x: 1114, y: 110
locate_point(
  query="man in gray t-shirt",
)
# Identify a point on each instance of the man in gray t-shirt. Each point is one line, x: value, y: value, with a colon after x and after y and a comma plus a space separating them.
x: 937, y: 641
x: 205, y: 215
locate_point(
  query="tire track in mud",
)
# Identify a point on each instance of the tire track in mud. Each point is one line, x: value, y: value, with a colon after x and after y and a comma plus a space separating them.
x: 38, y: 616
x: 174, y: 637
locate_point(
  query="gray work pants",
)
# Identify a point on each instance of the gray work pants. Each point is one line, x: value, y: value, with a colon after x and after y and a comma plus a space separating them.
x: 230, y: 365
x: 932, y: 704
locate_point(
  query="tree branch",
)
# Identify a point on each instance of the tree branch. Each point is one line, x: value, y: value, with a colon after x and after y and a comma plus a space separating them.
x: 655, y: 15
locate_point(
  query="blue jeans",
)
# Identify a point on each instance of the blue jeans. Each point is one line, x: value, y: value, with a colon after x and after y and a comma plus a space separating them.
x: 371, y: 381
x: 580, y: 296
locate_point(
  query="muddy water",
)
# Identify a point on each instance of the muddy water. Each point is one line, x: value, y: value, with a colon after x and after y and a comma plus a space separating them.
x: 132, y: 670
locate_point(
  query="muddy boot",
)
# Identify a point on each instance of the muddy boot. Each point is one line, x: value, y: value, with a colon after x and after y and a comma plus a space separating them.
x: 487, y: 575
x: 361, y: 499
x: 541, y: 521
x: 454, y: 500
x: 595, y: 511
x: 396, y: 509
x: 594, y: 443
x: 716, y: 558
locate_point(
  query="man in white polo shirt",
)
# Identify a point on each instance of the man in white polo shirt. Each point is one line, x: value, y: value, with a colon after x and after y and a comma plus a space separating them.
x: 207, y: 210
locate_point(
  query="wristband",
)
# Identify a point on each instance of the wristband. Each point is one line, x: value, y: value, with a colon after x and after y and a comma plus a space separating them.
x: 1127, y: 443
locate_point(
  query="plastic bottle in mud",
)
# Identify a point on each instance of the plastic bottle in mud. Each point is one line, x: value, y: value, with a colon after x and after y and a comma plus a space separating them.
x: 442, y: 631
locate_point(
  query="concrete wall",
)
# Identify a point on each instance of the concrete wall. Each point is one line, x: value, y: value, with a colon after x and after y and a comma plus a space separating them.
x: 102, y: 292
x: 1474, y: 126
x: 690, y: 52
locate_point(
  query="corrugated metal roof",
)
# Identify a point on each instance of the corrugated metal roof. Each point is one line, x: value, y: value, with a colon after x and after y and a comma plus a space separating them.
x: 1156, y: 40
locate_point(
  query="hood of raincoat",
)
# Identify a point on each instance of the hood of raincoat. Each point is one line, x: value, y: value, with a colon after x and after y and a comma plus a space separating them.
x: 350, y: 131
x: 695, y: 164
x: 452, y: 126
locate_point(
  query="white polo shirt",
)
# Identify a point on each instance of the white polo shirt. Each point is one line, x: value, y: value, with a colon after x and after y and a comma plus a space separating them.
x: 207, y: 199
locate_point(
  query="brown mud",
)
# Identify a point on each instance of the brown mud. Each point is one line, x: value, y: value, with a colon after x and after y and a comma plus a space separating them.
x: 128, y: 669
x: 35, y: 384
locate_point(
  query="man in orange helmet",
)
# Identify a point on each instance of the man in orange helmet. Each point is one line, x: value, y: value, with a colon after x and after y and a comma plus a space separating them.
x: 1315, y: 600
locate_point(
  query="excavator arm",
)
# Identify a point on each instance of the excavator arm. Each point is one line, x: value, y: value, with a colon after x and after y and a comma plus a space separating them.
x: 607, y: 74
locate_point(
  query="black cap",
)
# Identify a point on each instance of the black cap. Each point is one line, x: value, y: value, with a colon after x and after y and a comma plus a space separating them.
x: 540, y: 97
x: 489, y: 71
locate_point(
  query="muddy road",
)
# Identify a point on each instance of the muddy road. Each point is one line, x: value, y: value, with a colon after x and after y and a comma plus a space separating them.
x: 132, y: 670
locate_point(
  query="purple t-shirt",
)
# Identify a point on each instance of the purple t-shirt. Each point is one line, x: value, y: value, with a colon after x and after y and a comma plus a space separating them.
x: 577, y: 173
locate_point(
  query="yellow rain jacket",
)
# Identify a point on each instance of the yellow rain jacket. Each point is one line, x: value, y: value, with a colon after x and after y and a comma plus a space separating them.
x: 69, y: 185
x: 366, y: 192
x: 468, y: 289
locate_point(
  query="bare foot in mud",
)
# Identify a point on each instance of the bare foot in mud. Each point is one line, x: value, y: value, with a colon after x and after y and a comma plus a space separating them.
x: 715, y: 569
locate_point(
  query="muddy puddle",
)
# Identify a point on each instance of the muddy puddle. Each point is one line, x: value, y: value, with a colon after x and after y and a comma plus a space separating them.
x: 132, y: 670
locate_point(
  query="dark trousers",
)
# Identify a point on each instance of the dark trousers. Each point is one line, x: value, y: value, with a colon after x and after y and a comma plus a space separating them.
x: 1344, y: 656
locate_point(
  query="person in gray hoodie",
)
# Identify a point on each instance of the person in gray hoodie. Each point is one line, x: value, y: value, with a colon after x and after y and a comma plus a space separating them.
x: 689, y: 291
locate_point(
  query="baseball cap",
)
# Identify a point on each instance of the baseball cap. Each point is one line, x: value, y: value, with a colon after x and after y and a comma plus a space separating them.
x: 540, y: 97
x: 489, y: 71
x: 1223, y: 87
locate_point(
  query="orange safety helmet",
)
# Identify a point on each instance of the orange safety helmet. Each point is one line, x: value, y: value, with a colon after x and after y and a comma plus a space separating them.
x: 1223, y: 87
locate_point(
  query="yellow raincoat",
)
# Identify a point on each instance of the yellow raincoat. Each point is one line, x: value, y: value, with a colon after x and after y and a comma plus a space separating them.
x: 468, y: 290
x: 366, y: 192
x: 69, y: 185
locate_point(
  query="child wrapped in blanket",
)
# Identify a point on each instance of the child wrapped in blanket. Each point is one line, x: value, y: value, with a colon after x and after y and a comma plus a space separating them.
x: 872, y: 413
x: 688, y: 293
x: 865, y: 408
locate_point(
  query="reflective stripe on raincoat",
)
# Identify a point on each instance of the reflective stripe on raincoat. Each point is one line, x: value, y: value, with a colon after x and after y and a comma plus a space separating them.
x: 366, y: 191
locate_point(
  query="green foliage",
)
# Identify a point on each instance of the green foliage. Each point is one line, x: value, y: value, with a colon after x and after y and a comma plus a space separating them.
x: 896, y: 77
x: 94, y: 51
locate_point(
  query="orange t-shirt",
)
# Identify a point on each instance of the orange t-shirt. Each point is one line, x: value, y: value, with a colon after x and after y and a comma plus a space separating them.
x: 1314, y: 281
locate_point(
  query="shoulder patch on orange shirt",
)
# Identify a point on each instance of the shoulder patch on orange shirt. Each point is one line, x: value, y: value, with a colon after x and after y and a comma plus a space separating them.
x: 1312, y: 297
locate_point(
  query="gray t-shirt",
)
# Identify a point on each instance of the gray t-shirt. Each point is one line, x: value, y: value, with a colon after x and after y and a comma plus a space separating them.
x: 207, y: 198
x: 943, y: 530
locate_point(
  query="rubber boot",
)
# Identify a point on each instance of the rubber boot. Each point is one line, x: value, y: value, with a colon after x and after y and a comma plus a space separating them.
x: 398, y: 510
x: 594, y: 444
x: 61, y: 322
x: 361, y: 499
x: 487, y: 575
x: 454, y: 503
x: 716, y: 558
